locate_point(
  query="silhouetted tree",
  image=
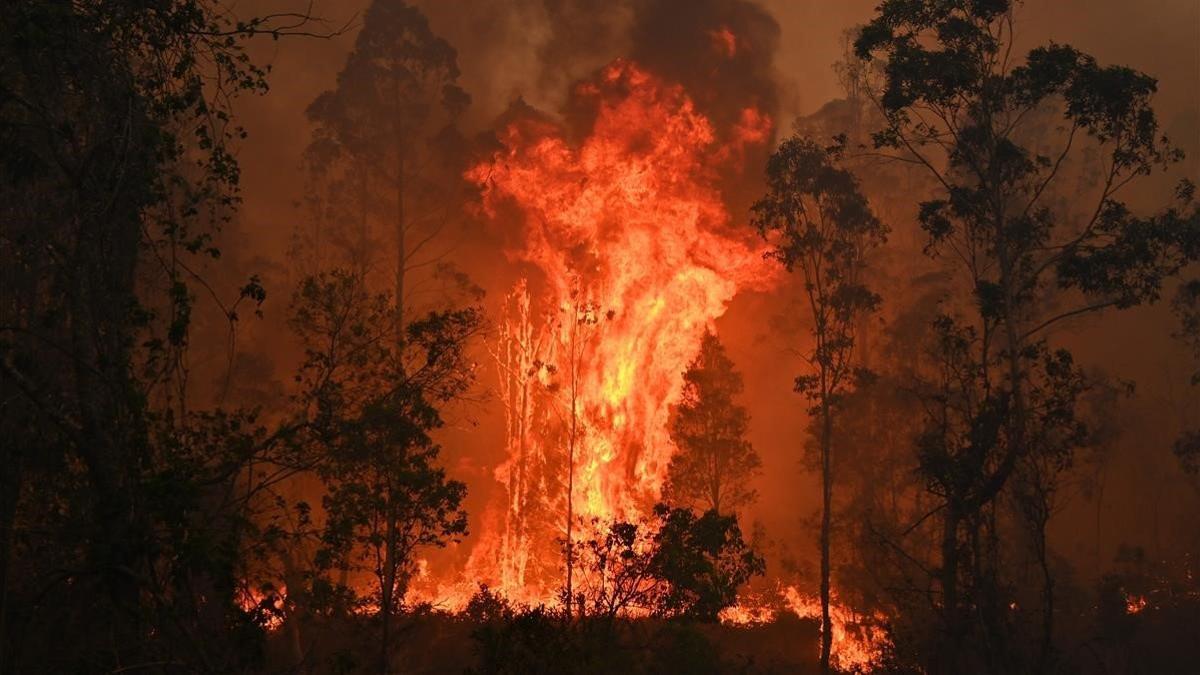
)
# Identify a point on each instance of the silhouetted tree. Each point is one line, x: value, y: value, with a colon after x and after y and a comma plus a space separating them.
x: 821, y: 225
x: 372, y: 408
x: 703, y: 561
x: 714, y: 463
x: 117, y: 169
x: 676, y: 564
x: 959, y: 106
x: 386, y: 145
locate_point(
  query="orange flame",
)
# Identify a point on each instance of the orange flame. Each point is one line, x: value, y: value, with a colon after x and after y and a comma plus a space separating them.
x: 1134, y: 603
x: 857, y: 644
x: 858, y: 641
x: 628, y: 235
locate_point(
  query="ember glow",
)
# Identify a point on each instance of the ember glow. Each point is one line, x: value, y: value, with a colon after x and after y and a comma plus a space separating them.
x: 1134, y: 603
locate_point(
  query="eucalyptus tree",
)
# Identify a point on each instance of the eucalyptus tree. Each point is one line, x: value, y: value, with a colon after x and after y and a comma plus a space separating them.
x: 117, y: 125
x: 713, y: 463
x: 959, y: 104
x: 385, y: 147
x: 822, y: 227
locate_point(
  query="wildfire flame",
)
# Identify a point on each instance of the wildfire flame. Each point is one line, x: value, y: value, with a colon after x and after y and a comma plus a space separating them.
x: 636, y: 254
x: 858, y: 641
x: 1134, y: 603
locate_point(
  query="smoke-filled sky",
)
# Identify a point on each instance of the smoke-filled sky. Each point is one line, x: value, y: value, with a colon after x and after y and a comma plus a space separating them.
x: 534, y: 49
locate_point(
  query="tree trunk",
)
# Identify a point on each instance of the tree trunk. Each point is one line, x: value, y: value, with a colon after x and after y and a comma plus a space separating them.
x: 948, y: 659
x: 387, y: 591
x: 571, y: 462
x: 401, y: 247
x: 826, y: 507
x: 1047, y: 646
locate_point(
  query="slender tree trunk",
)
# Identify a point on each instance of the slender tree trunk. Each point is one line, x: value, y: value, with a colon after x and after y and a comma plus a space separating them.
x: 1047, y: 647
x: 401, y: 247
x: 387, y: 591
x: 571, y: 461
x: 522, y: 492
x: 1018, y: 423
x: 948, y: 661
x: 826, y: 517
x: 385, y: 637
x: 571, y: 512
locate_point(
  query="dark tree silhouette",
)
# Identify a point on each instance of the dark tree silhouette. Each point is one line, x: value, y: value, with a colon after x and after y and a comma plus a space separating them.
x: 116, y: 126
x: 1187, y: 308
x: 703, y: 561
x: 714, y: 463
x: 386, y: 144
x: 676, y: 564
x: 958, y: 104
x: 821, y: 225
x: 371, y: 409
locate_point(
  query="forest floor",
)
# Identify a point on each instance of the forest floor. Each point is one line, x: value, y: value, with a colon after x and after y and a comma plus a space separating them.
x: 442, y: 643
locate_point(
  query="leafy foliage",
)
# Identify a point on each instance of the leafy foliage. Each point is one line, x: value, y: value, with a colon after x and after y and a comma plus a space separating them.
x: 820, y: 224
x: 679, y: 565
x: 371, y: 410
x: 1002, y: 138
x: 714, y: 462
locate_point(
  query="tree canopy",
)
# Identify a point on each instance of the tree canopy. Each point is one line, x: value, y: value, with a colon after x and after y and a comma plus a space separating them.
x: 714, y: 463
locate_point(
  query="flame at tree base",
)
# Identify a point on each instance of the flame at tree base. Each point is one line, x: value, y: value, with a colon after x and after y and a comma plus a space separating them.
x: 859, y: 641
x: 633, y: 255
x: 630, y: 254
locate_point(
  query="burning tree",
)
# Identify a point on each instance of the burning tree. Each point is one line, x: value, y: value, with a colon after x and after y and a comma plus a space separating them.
x: 629, y: 221
x: 523, y: 353
x: 582, y: 318
x: 714, y: 462
x: 822, y: 226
